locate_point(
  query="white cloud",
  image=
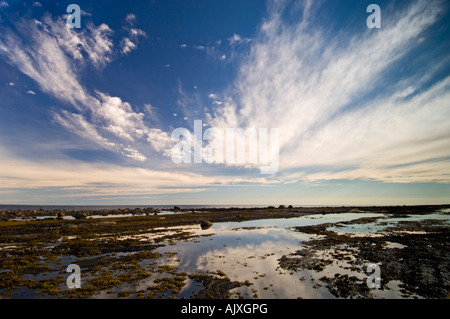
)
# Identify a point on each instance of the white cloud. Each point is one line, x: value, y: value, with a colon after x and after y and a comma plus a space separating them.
x: 431, y: 172
x: 95, y: 179
x: 134, y: 154
x: 387, y: 136
x: 85, y: 13
x: 184, y: 45
x: 130, y: 43
x: 130, y: 18
x: 215, y: 98
x: 31, y: 92
x: 44, y: 60
x: 4, y: 4
x: 134, y: 32
x: 237, y: 39
x: 119, y: 118
x: 52, y: 57
x: 99, y: 45
x: 37, y: 4
x: 223, y: 57
x: 159, y: 140
x: 405, y: 93
x: 127, y: 45
x: 79, y: 179
x: 303, y: 82
x: 151, y: 111
x: 11, y: 84
x: 122, y: 121
x: 77, y: 124
x: 295, y: 78
x: 93, y: 41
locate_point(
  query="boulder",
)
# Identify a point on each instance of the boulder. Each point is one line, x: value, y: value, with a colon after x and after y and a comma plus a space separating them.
x: 205, y: 224
x: 80, y: 215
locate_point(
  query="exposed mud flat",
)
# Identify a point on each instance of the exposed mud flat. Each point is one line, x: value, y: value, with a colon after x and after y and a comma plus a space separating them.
x: 242, y: 253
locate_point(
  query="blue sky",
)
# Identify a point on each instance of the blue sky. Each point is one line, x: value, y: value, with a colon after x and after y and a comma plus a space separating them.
x: 86, y: 115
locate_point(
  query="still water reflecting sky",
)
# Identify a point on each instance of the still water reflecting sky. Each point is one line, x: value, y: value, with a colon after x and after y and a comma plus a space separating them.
x: 251, y: 251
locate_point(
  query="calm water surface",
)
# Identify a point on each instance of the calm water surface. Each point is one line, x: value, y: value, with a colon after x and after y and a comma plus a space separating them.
x: 251, y: 251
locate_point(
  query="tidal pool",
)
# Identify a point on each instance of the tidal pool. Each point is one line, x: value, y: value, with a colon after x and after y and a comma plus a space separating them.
x: 251, y: 251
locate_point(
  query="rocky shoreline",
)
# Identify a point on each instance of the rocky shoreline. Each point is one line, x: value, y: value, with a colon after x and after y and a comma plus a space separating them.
x: 114, y: 258
x: 268, y: 212
x: 415, y: 253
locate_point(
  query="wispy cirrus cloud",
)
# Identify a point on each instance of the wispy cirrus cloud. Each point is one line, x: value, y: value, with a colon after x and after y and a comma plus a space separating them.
x: 77, y: 124
x: 91, y: 42
x: 29, y: 50
x: 237, y: 39
x: 51, y: 54
x: 78, y: 179
x: 308, y: 84
x: 342, y: 112
x: 130, y: 42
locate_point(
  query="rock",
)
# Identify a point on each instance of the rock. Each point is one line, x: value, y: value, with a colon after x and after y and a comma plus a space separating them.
x: 290, y: 206
x: 343, y: 286
x: 303, y: 259
x: 214, y: 288
x: 205, y: 224
x: 281, y: 207
x: 176, y: 208
x: 137, y: 212
x: 152, y: 211
x: 80, y: 215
